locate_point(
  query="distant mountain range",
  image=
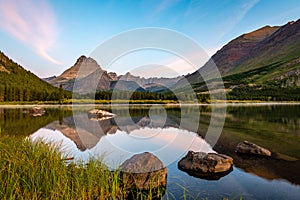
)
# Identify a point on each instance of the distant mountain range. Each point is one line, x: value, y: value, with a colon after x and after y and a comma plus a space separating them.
x: 86, y: 71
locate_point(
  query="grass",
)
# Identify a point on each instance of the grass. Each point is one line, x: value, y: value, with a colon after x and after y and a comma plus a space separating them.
x: 36, y: 171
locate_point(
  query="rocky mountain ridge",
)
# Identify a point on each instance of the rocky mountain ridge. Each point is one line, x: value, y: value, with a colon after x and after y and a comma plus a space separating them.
x: 86, y: 71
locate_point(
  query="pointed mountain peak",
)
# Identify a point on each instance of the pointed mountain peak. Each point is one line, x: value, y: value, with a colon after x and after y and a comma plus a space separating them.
x: 82, y: 68
x: 82, y: 57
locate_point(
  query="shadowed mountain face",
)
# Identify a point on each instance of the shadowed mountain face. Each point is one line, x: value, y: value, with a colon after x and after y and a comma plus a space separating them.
x: 269, y: 54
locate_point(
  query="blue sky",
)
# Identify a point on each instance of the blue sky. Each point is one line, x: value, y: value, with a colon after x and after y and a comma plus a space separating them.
x: 46, y: 37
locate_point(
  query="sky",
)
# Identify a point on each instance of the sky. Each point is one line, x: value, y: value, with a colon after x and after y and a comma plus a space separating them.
x: 47, y: 36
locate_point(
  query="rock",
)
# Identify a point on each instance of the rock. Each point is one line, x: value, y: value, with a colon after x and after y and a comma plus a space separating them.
x: 252, y: 149
x: 113, y: 76
x: 144, y: 172
x: 37, y: 111
x: 206, y: 165
x: 100, y: 115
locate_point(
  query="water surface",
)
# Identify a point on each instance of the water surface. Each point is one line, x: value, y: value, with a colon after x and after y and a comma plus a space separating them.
x: 165, y: 133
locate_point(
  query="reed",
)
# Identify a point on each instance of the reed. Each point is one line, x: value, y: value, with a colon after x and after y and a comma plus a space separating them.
x: 36, y: 171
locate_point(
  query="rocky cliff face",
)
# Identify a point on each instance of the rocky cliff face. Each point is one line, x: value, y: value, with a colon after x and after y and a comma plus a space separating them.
x: 83, y: 67
x: 113, y: 76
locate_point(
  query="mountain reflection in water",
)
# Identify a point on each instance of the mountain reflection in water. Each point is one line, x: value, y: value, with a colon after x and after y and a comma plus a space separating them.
x: 117, y: 141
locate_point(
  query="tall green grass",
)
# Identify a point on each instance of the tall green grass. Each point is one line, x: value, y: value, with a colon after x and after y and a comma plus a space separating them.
x: 36, y: 171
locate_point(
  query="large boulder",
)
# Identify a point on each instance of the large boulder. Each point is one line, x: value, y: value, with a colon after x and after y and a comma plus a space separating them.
x: 37, y: 111
x: 206, y: 165
x: 99, y: 115
x: 252, y: 149
x: 144, y: 172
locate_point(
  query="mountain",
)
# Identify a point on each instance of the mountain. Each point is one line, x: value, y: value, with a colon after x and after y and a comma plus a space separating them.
x: 123, y: 85
x: 265, y: 59
x: 240, y: 49
x: 18, y: 84
x: 96, y: 81
x: 49, y: 79
x: 87, y: 73
x: 83, y: 67
x: 148, y: 82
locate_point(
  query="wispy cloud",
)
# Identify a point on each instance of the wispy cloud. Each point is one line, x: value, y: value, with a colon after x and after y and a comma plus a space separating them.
x: 31, y: 22
x: 239, y: 13
x: 223, y: 15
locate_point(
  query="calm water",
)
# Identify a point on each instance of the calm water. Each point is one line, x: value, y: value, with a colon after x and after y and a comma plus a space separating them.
x: 169, y: 132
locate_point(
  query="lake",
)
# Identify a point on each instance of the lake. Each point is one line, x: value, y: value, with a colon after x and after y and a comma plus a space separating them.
x: 169, y: 132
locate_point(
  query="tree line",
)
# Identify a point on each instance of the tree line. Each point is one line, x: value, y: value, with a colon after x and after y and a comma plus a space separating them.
x: 265, y: 93
x: 135, y: 95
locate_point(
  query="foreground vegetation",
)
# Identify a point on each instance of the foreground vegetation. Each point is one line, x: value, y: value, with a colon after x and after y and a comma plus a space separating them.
x: 35, y: 171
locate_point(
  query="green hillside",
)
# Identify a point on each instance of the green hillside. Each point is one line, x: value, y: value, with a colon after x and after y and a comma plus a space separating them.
x: 18, y: 84
x: 261, y: 65
x: 278, y: 82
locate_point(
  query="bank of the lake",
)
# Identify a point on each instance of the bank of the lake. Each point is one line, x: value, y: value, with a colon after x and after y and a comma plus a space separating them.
x: 89, y: 101
x: 144, y: 102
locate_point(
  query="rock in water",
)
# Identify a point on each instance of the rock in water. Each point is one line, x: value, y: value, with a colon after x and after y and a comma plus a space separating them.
x: 37, y: 111
x: 100, y: 114
x: 252, y: 149
x: 144, y: 172
x: 206, y: 165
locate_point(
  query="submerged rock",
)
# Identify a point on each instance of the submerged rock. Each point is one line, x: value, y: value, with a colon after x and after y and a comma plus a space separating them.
x: 37, y: 111
x: 206, y: 165
x: 99, y: 115
x: 144, y: 172
x: 252, y: 149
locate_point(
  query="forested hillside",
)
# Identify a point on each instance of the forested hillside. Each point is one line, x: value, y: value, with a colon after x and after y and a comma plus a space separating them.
x: 18, y: 84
